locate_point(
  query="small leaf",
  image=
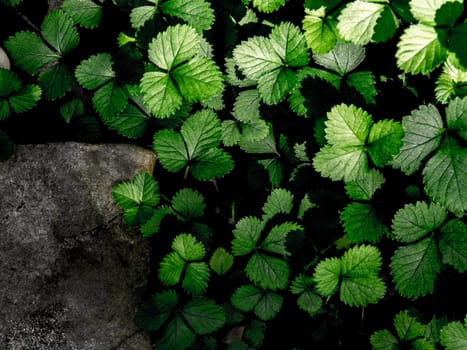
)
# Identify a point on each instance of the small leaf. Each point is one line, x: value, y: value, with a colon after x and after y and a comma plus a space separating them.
x: 221, y: 261
x: 267, y: 271
x: 110, y: 100
x: 384, y: 141
x: 274, y: 86
x: 25, y: 99
x: 170, y: 149
x: 246, y: 106
x: 280, y: 201
x: 213, y: 164
x: 188, y: 247
x: 196, y: 278
x: 384, y: 340
x: 327, y: 275
x: 268, y: 6
x: 360, y: 223
x: 245, y: 298
x: 407, y: 327
x: 95, y: 71
x: 454, y: 336
x: 342, y: 59
x: 269, y: 305
x: 453, y: 244
x: 320, y: 32
x: 188, y: 203
x: 456, y: 116
x: 246, y: 235
x: 86, y: 13
x: 275, y: 241
x: 131, y: 122
x: 141, y: 14
x: 58, y: 30
x: 203, y: 315
x: 171, y: 269
x: 151, y: 226
x: 425, y: 11
x: 153, y: 315
x: 9, y: 82
x: 451, y: 81
x: 197, y: 13
x: 56, y: 81
x: 365, y: 186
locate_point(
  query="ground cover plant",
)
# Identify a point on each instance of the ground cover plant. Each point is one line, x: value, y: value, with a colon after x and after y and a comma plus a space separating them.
x: 310, y: 188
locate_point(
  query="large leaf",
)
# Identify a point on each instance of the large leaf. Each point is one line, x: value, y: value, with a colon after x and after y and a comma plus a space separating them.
x: 342, y: 59
x: 196, y: 278
x: 110, y: 100
x: 320, y: 32
x: 365, y: 186
x: 453, y: 244
x: 197, y: 13
x: 246, y: 235
x: 95, y: 71
x: 274, y: 87
x: 58, y: 30
x: 384, y: 141
x: 361, y: 223
x: 56, y: 81
x: 456, y: 116
x: 454, y: 336
x: 290, y: 44
x: 160, y: 94
x: 267, y: 271
x: 246, y: 106
x: 131, y: 122
x: 425, y: 11
x: 188, y: 203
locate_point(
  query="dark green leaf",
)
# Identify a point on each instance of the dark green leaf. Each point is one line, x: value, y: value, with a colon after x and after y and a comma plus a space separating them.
x: 86, y: 13
x: 58, y: 30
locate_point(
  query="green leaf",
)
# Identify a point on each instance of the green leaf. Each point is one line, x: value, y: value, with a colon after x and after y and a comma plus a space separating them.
x: 152, y: 225
x: 188, y: 247
x: 56, y: 81
x: 342, y: 59
x: 280, y: 201
x: 58, y: 30
x: 384, y: 141
x: 86, y: 13
x: 246, y: 235
x: 456, y: 116
x: 230, y: 133
x: 362, y: 85
x: 407, y: 327
x: 203, y: 315
x: 254, y: 332
x: 327, y: 276
x: 221, y: 261
x: 246, y: 106
x: 365, y: 186
x: 449, y: 12
x: 357, y: 21
x: 290, y: 44
x: 269, y: 305
x: 131, y: 122
x: 275, y: 241
x: 25, y: 99
x: 360, y: 223
x: 160, y: 94
x: 254, y: 131
x: 171, y: 269
x: 425, y: 10
x: 386, y: 25
x: 141, y: 14
x: 170, y: 149
x: 308, y: 300
x: 29, y: 52
x: 384, y: 340
x: 346, y: 163
x: 320, y: 32
x: 274, y: 87
x: 175, y: 45
x: 176, y: 335
x: 142, y: 190
x: 268, y: 6
x: 305, y: 205
x: 444, y: 176
x: 415, y: 221
x: 421, y: 49
x: 451, y: 81
x: 188, y: 203
x: 456, y: 42
x: 414, y: 268
x: 267, y: 271
x: 152, y: 315
x: 110, y: 100
x: 423, y: 129
x: 95, y: 71
x: 197, y: 13
x: 9, y: 82
x: 266, y: 145
x: 213, y: 164
x: 245, y: 298
x: 453, y: 244
x: 454, y: 336
x: 347, y: 126
x: 196, y: 278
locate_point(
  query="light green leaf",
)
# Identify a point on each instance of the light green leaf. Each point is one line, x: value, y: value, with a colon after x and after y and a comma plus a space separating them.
x: 152, y: 316
x: 25, y: 99
x: 230, y: 133
x: 29, y: 52
x: 196, y: 278
x: 170, y: 149
x: 188, y: 247
x: 58, y: 30
x: 360, y: 291
x: 407, y: 327
x: 384, y: 340
x: 160, y: 94
x: 198, y: 79
x: 456, y: 116
x: 280, y: 201
x: 267, y: 271
x: 188, y: 203
x: 131, y: 122
x: 175, y: 45
x: 266, y: 145
x: 414, y: 268
x: 453, y: 244
x: 384, y: 141
x: 95, y: 71
x: 320, y: 32
x: 342, y: 59
x: 142, y: 190
x: 246, y: 235
x: 86, y: 13
x: 360, y: 223
x: 360, y: 260
x: 151, y: 226
x: 357, y: 21
x: 246, y: 106
x: 176, y: 335
x: 415, y: 221
x: 290, y: 44
x: 197, y: 13
x: 110, y: 100
x: 444, y: 176
x: 425, y: 10
x: 253, y: 131
x: 421, y: 49
x: 171, y: 269
x: 454, y: 336
x: 274, y: 86
x: 347, y: 126
x: 423, y: 129
x: 346, y: 163
x: 221, y: 261
x: 268, y: 6
x: 268, y: 306
x: 141, y: 14
x: 451, y: 81
x: 365, y: 186
x: 245, y: 298
x: 56, y: 81
x: 305, y: 205
x: 213, y: 164
x: 327, y: 275
x: 203, y: 315
x: 275, y: 241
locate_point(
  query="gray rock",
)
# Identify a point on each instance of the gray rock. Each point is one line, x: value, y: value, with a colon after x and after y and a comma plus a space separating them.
x: 4, y: 60
x: 71, y: 272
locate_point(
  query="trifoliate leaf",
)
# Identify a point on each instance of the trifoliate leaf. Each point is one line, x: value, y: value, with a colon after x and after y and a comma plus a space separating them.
x: 95, y: 71
x: 198, y: 79
x: 141, y: 14
x: 221, y: 261
x: 444, y: 176
x: 456, y: 116
x: 365, y: 186
x: 197, y: 13
x: 415, y: 221
x: 188, y: 247
x: 453, y: 244
x: 290, y: 44
x: 280, y: 201
x: 361, y: 223
x: 203, y: 315
x: 58, y: 30
x: 56, y: 81
x: 196, y: 278
x: 86, y: 13
x: 326, y: 275
x: 358, y: 19
x: 423, y: 129
x: 201, y: 132
x: 414, y: 268
x: 275, y: 241
x: 188, y: 203
x: 268, y: 6
x: 361, y: 86
x: 29, y: 52
x: 345, y: 163
x: 110, y: 100
x: 421, y: 49
x: 320, y: 32
x: 267, y: 271
x: 142, y: 190
x: 347, y: 126
x: 246, y: 106
x: 407, y: 327
x: 245, y: 298
x: 451, y: 82
x: 269, y: 305
x: 384, y: 340
x: 454, y: 336
x: 175, y: 45
x: 25, y: 99
x: 152, y: 316
x: 342, y: 59
x: 160, y: 94
x: 384, y: 141
x: 171, y: 269
x: 176, y: 335
x: 131, y: 122
x: 246, y: 235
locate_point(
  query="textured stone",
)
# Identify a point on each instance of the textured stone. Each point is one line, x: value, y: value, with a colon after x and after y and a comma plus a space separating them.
x: 4, y: 60
x: 71, y: 272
